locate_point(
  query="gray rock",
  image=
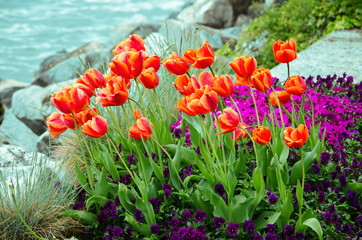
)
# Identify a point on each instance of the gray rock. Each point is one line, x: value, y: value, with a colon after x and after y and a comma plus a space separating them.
x: 42, y: 145
x: 240, y: 6
x: 336, y: 53
x: 118, y: 33
x: 242, y: 20
x: 7, y: 88
x: 15, y: 132
x: 6, y: 83
x: 64, y: 66
x: 212, y: 13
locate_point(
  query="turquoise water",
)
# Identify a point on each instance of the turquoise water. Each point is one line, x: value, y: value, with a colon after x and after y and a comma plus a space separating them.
x: 31, y: 30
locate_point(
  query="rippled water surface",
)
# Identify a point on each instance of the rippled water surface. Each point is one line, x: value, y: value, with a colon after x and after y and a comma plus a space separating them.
x: 33, y: 30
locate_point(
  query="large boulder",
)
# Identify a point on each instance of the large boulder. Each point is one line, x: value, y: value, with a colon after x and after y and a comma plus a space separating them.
x: 119, y: 33
x: 211, y: 13
x: 63, y: 66
x: 240, y: 6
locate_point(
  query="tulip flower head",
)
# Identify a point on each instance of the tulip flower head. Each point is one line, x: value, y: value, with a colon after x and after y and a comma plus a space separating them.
x: 94, y: 78
x: 201, y: 58
x: 176, y: 65
x: 295, y: 85
x: 283, y: 97
x: 262, y: 135
x: 141, y: 129
x: 137, y: 114
x: 68, y: 121
x: 240, y: 132
x: 223, y: 85
x: 262, y: 79
x: 95, y: 127
x: 244, y: 66
x: 187, y: 86
x: 55, y: 125
x: 295, y: 138
x: 128, y: 64
x: 152, y: 61
x: 133, y: 43
x: 114, y: 94
x: 149, y: 78
x: 89, y: 90
x: 285, y: 52
x: 70, y: 99
x: 229, y: 120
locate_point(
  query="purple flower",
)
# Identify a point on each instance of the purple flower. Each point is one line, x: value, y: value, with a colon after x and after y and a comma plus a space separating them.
x: 186, y: 215
x: 131, y: 159
x: 273, y: 199
x: 249, y: 227
x: 342, y: 180
x: 218, y: 221
x: 155, y: 229
x: 270, y: 228
x: 202, y: 229
x: 316, y: 169
x: 198, y: 150
x: 325, y: 157
x: 190, y: 231
x: 200, y: 216
x: 299, y: 236
x: 102, y: 218
x: 219, y: 189
x: 321, y: 197
x: 166, y: 172
x: 155, y: 203
x: 258, y: 237
x: 175, y: 222
x: 232, y: 229
x: 270, y: 236
x: 347, y: 229
x: 138, y: 215
x: 177, y: 133
x: 167, y: 188
x: 307, y: 187
x: 173, y: 212
x: 289, y: 230
x: 198, y: 236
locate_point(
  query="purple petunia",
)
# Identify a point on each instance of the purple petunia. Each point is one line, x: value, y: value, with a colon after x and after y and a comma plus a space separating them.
x: 155, y: 203
x: 270, y: 236
x: 167, y: 188
x: 155, y: 229
x: 321, y: 197
x: 138, y: 215
x: 270, y: 228
x: 219, y: 189
x: 273, y: 199
x: 218, y: 221
x: 342, y: 180
x: 325, y: 157
x: 249, y: 227
x: 258, y: 237
x: 316, y: 169
x: 186, y: 215
x: 232, y: 229
x: 200, y: 216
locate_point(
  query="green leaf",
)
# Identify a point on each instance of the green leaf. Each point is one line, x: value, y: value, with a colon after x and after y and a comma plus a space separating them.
x: 124, y: 199
x: 356, y: 186
x: 314, y: 224
x: 287, y: 211
x: 96, y: 199
x: 102, y: 187
x: 269, y: 217
x: 82, y: 216
x: 299, y: 194
x: 110, y: 165
x: 283, y: 193
x: 140, y: 227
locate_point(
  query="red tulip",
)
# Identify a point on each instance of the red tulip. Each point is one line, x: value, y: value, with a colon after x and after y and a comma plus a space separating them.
x: 141, y: 129
x: 133, y: 43
x: 89, y: 90
x: 229, y: 120
x: 262, y: 135
x: 114, y: 94
x: 94, y: 78
x: 128, y: 64
x: 137, y: 114
x: 295, y: 85
x: 86, y: 114
x: 149, y: 78
x: 55, y: 125
x: 187, y: 86
x: 283, y: 98
x: 70, y: 100
x: 176, y: 65
x: 223, y: 85
x: 202, y: 58
x: 68, y: 121
x: 244, y: 66
x: 152, y: 61
x: 285, y: 52
x: 95, y: 127
x: 240, y: 132
x: 183, y: 106
x: 242, y: 81
x: 295, y: 138
x: 205, y: 78
x: 261, y: 79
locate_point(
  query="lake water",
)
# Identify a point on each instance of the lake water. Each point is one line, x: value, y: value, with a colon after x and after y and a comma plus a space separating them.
x: 31, y: 30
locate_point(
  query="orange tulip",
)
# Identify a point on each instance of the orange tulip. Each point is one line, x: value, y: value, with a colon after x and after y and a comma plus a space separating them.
x: 262, y: 79
x: 295, y: 138
x: 203, y: 100
x: 95, y: 127
x: 295, y: 85
x: 68, y: 121
x: 242, y: 81
x: 244, y: 66
x: 223, y: 85
x: 86, y: 114
x: 149, y: 78
x: 128, y: 64
x: 285, y: 52
x: 187, y: 86
x: 229, y: 120
x: 205, y: 78
x: 70, y: 100
x: 114, y: 94
x: 109, y: 76
x: 94, y: 78
x: 262, y: 135
x: 137, y: 114
x: 283, y: 98
x: 133, y: 43
x: 176, y: 65
x: 240, y: 132
x: 152, y: 61
x: 89, y: 90
x: 202, y: 58
x: 141, y: 129
x: 55, y: 125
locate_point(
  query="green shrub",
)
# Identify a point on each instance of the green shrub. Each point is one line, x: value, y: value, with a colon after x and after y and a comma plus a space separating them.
x: 304, y: 20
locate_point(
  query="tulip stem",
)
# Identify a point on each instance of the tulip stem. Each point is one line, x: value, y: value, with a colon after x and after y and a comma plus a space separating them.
x: 140, y: 95
x: 148, y: 96
x: 252, y: 140
x: 159, y: 103
x: 125, y: 113
x: 271, y: 113
x: 19, y: 215
x: 301, y: 204
x: 279, y: 171
x: 252, y: 94
x: 288, y: 70
x: 213, y: 74
x: 300, y: 111
x: 236, y: 106
x: 137, y: 105
x: 280, y: 110
x: 188, y: 74
x: 220, y: 139
x: 311, y: 105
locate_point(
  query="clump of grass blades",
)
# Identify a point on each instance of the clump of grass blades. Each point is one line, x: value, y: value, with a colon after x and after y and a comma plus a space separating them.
x: 41, y: 196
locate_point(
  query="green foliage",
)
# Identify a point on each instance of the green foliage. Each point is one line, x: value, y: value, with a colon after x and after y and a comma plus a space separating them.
x: 304, y: 20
